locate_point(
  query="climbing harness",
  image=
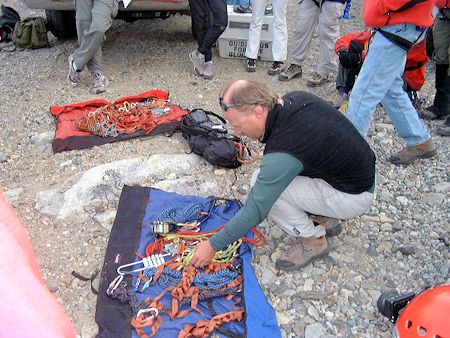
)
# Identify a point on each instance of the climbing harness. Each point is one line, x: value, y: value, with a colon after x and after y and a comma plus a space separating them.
x: 127, y: 118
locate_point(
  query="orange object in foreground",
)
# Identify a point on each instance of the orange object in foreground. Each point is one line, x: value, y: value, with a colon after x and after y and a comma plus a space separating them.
x: 27, y: 307
x: 427, y: 315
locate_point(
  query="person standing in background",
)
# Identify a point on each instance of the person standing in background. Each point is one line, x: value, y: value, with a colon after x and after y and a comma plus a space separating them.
x: 399, y: 25
x: 93, y: 19
x: 209, y: 20
x: 310, y: 12
x: 279, y: 44
x: 441, y: 41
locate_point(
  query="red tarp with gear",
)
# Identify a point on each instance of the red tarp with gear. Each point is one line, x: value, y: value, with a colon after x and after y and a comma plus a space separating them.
x: 69, y: 137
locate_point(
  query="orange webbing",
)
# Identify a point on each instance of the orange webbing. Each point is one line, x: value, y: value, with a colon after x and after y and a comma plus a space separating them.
x: 240, y: 153
x: 185, y: 289
x: 143, y: 321
x: 203, y: 328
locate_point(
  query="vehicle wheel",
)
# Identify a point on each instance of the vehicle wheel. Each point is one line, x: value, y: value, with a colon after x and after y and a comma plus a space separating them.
x: 62, y: 23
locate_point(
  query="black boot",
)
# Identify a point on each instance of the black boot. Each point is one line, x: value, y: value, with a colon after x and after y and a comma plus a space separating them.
x: 441, y: 104
x: 442, y: 97
x: 444, y: 130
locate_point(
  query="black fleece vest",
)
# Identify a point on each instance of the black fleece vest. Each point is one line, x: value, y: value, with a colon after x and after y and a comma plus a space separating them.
x: 324, y: 140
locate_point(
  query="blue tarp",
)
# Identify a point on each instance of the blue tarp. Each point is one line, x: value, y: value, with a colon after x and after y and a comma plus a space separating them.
x: 260, y: 318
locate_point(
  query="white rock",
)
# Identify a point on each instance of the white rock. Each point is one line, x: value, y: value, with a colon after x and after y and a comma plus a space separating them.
x: 13, y: 194
x: 42, y: 138
x: 49, y: 202
x: 316, y: 330
x: 402, y: 199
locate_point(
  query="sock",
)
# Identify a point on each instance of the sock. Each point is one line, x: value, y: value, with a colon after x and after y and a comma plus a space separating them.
x: 342, y: 91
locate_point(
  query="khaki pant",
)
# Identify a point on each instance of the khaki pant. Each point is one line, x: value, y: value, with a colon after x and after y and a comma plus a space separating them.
x: 93, y: 18
x: 315, y: 196
x: 327, y: 17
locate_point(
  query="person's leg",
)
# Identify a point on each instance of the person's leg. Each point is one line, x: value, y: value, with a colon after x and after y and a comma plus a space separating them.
x: 280, y: 35
x: 200, y: 19
x: 307, y: 16
x: 305, y: 195
x: 328, y: 34
x: 89, y: 51
x: 384, y: 63
x: 441, y: 41
x: 312, y: 196
x: 219, y: 22
x: 404, y: 116
x: 254, y: 31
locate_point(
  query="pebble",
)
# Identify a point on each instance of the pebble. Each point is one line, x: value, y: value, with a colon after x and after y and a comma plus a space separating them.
x: 408, y: 249
x: 316, y: 330
x: 3, y: 157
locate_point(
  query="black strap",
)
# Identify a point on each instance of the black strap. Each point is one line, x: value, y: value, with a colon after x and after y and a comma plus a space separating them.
x: 398, y: 40
x: 211, y: 113
x: 419, y: 65
x: 86, y: 279
x: 407, y: 6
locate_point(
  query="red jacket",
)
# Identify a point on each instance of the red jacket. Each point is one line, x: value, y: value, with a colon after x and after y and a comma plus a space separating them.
x: 416, y: 58
x: 343, y: 43
x: 379, y: 13
x: 443, y: 3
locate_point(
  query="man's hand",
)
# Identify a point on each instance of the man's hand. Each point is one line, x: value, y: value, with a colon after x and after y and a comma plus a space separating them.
x: 204, y: 253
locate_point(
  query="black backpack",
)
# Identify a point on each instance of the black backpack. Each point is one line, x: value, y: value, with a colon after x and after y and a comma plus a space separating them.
x: 212, y: 141
x: 8, y: 19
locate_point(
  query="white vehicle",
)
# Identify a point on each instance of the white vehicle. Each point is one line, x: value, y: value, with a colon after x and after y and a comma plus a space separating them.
x: 61, y: 13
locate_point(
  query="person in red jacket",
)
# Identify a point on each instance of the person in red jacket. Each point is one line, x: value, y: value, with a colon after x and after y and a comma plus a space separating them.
x: 441, y: 41
x: 352, y: 50
x: 399, y: 24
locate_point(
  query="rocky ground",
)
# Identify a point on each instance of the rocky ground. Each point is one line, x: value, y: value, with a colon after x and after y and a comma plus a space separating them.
x: 67, y: 201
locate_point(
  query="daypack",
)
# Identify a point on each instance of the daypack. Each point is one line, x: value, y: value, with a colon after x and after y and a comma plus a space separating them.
x: 415, y: 66
x: 212, y: 141
x: 8, y: 19
x: 31, y: 32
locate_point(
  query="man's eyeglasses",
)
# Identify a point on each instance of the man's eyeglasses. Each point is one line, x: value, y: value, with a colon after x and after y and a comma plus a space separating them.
x: 226, y: 106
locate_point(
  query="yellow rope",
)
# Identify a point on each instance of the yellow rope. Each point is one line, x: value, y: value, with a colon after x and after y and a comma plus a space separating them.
x: 221, y: 256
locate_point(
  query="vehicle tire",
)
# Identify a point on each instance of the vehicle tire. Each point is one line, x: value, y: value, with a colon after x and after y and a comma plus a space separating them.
x: 61, y: 23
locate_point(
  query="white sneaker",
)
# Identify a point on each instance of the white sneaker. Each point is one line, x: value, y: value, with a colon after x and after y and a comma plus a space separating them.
x: 198, y: 61
x: 100, y: 83
x: 74, y: 76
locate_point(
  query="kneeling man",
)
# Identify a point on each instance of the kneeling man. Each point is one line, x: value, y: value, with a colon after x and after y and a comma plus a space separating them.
x: 315, y: 163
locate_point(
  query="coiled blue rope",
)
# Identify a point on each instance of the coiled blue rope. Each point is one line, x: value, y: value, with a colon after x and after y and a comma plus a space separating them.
x: 177, y: 215
x: 215, y: 280
x: 204, y: 281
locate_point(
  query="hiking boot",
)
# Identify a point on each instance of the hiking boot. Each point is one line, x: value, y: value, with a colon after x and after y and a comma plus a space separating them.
x: 444, y: 130
x: 291, y: 72
x: 251, y: 65
x: 411, y: 153
x: 276, y: 68
x: 100, y: 83
x: 337, y: 100
x: 332, y: 225
x: 430, y: 113
x: 74, y: 76
x: 208, y: 71
x: 317, y: 80
x: 302, y: 253
x: 198, y: 61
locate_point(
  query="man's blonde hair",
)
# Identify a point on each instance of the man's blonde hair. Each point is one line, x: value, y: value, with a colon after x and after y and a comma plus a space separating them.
x: 250, y: 92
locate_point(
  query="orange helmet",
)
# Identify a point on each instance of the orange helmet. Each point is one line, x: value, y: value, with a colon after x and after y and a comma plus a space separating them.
x: 427, y: 315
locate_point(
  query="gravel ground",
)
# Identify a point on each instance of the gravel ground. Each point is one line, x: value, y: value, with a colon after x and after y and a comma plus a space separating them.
x: 402, y: 243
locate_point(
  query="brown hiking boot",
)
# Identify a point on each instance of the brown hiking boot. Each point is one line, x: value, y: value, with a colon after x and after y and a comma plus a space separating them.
x: 302, y: 253
x: 411, y: 153
x: 332, y: 225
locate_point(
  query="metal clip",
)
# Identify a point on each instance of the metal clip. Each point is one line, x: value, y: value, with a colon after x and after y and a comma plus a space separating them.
x: 149, y: 310
x: 152, y: 261
x: 114, y: 284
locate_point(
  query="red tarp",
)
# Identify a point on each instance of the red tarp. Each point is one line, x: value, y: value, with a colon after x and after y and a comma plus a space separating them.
x: 69, y: 137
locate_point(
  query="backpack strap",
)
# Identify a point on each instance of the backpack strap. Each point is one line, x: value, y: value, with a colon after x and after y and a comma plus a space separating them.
x: 212, y: 114
x: 395, y: 39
